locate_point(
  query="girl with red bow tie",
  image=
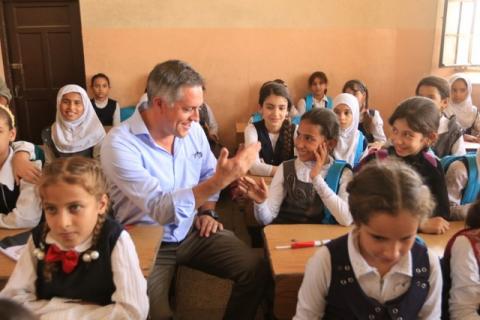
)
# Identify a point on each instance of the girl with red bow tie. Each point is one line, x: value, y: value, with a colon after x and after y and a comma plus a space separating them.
x: 79, y: 264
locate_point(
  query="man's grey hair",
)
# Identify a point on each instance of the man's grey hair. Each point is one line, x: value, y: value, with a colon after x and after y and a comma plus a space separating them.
x: 168, y: 78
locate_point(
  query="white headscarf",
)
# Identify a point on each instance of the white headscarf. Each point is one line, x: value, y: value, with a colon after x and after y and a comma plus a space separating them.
x: 81, y: 134
x: 465, y: 111
x: 348, y: 138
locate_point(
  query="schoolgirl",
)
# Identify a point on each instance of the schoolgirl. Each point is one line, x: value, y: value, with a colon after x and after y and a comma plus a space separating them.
x: 371, y: 123
x: 310, y: 188
x: 107, y: 109
x: 450, y: 133
x: 460, y: 103
x: 378, y: 270
x: 274, y: 131
x: 414, y: 129
x: 352, y: 144
x: 461, y: 265
x: 76, y: 130
x: 19, y: 204
x: 317, y: 98
x: 78, y: 264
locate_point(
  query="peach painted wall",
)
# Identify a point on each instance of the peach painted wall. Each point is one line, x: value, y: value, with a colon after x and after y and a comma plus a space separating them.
x: 237, y: 45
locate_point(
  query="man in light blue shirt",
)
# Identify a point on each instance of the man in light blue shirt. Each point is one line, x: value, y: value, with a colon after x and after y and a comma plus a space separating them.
x: 161, y: 170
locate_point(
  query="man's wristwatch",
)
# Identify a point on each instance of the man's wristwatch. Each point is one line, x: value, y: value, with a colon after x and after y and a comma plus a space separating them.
x: 211, y: 213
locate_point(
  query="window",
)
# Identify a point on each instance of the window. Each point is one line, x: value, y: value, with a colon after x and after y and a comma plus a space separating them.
x: 461, y: 34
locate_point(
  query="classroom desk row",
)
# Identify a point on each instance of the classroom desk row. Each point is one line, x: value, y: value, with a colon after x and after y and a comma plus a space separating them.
x: 146, y: 238
x: 288, y: 265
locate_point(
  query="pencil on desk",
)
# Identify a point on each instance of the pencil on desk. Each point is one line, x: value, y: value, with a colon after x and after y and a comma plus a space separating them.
x: 303, y: 244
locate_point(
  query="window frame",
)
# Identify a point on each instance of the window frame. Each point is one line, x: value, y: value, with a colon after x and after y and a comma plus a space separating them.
x: 442, y: 44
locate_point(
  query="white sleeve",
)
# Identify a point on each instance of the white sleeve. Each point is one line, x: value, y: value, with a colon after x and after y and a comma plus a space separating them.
x: 301, y: 107
x: 456, y: 179
x: 116, y: 115
x: 315, y: 285
x: 267, y: 211
x: 27, y: 211
x: 465, y: 291
x: 25, y: 146
x: 212, y: 121
x: 336, y: 204
x: 21, y: 284
x: 458, y: 148
x: 259, y: 168
x: 432, y: 308
x: 377, y: 132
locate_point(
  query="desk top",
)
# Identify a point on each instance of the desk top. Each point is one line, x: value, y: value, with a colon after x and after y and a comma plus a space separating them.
x: 472, y: 146
x: 146, y: 238
x: 290, y: 262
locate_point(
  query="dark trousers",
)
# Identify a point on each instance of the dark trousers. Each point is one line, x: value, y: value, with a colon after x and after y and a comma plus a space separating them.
x: 223, y: 255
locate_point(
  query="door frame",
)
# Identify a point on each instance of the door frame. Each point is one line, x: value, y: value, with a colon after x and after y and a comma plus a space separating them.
x: 6, y: 49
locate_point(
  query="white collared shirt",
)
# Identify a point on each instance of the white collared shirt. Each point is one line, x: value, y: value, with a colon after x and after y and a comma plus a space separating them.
x: 28, y: 210
x: 316, y: 282
x: 130, y: 300
x: 465, y: 291
x: 301, y: 105
x: 267, y: 211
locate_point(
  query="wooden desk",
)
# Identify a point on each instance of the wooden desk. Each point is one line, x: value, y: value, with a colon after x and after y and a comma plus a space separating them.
x: 288, y: 266
x: 146, y: 238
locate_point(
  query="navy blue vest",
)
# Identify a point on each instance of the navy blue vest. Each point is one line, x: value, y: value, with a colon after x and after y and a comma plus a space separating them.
x: 105, y: 114
x: 346, y: 299
x: 90, y: 281
x: 8, y: 200
x: 270, y: 156
x: 47, y: 140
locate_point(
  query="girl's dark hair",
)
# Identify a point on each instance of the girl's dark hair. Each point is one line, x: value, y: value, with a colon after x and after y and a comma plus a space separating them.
x: 473, y: 216
x: 388, y: 186
x: 421, y: 114
x: 357, y: 85
x: 100, y: 75
x: 326, y: 119
x: 81, y: 171
x: 439, y: 83
x: 276, y: 88
x: 318, y: 75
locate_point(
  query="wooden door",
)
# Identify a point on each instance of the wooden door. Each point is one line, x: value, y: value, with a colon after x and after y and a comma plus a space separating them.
x: 43, y: 51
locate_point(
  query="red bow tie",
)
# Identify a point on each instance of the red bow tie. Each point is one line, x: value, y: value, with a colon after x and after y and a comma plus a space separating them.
x: 69, y: 258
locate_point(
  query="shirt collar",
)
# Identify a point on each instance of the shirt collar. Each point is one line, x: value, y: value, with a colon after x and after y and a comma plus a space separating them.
x: 6, y: 172
x: 362, y: 268
x: 84, y: 246
x: 137, y: 125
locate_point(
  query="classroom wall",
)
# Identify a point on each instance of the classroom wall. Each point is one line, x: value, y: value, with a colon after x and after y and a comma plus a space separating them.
x: 237, y: 45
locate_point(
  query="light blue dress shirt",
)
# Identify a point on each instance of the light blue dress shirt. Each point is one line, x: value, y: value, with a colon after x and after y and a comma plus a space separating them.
x: 149, y: 184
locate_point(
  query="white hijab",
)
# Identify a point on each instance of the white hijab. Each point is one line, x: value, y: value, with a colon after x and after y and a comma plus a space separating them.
x: 465, y: 111
x: 348, y: 138
x: 81, y: 134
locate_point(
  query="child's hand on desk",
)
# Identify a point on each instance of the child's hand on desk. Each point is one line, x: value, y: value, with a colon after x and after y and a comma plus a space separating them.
x: 471, y: 138
x: 255, y: 190
x: 375, y: 146
x: 434, y: 225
